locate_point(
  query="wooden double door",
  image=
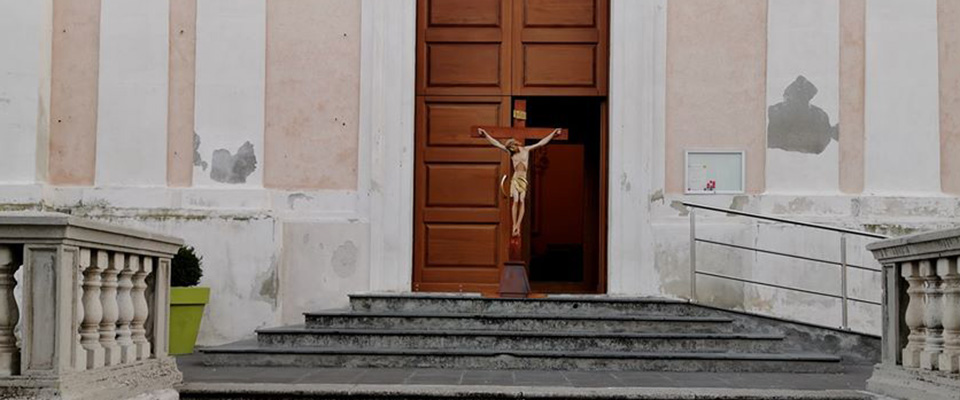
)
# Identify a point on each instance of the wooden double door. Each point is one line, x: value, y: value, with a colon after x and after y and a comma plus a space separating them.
x: 474, y: 57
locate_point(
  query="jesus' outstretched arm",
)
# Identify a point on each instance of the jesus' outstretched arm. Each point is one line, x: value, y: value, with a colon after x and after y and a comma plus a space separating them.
x: 496, y: 143
x: 544, y: 141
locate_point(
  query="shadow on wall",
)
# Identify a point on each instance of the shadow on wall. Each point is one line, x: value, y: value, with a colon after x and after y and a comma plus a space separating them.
x: 798, y: 126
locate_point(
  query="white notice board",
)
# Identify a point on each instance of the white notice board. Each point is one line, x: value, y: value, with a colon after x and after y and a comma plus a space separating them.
x: 714, y: 172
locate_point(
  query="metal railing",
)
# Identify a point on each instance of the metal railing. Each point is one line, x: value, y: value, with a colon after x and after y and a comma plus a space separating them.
x: 843, y: 264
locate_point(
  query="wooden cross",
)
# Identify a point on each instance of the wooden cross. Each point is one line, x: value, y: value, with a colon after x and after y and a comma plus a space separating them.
x: 519, y: 130
x: 513, y: 279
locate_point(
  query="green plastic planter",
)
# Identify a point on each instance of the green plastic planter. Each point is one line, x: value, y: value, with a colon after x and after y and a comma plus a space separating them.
x: 186, y: 311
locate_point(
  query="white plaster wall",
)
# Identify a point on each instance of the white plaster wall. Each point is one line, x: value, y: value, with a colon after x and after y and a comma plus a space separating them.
x: 24, y: 88
x: 672, y: 248
x: 132, y: 105
x: 804, y: 39
x: 902, y: 98
x: 387, y: 78
x: 815, y: 276
x: 241, y: 259
x: 637, y: 115
x: 322, y: 264
x: 230, y: 83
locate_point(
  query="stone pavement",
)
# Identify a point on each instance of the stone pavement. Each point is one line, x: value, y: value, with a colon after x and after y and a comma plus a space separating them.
x: 196, y: 374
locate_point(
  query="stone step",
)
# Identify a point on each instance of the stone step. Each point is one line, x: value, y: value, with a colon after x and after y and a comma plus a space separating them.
x: 552, y: 305
x: 519, y: 341
x: 260, y: 391
x: 479, y: 358
x: 518, y: 322
x: 567, y: 332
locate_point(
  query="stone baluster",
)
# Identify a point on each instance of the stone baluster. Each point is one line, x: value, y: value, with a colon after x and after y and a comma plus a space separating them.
x: 128, y: 352
x: 914, y: 314
x: 141, y: 309
x: 111, y: 309
x: 950, y: 358
x: 932, y: 315
x: 92, y: 310
x: 80, y: 356
x: 9, y: 313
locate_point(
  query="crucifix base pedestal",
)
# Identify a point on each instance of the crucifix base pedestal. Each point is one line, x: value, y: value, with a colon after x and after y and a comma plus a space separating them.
x: 513, y: 280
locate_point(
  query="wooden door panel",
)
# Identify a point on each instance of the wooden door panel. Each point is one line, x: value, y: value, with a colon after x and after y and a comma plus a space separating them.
x: 561, y: 36
x: 463, y: 47
x: 452, y: 245
x: 566, y: 13
x: 457, y: 214
x: 459, y: 210
x: 469, y: 280
x: 447, y: 121
x: 464, y: 13
x: 436, y: 154
x: 560, y: 47
x: 560, y: 65
x: 462, y: 185
x: 463, y: 64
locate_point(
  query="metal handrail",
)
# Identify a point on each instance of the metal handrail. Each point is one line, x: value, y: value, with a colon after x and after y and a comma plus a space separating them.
x: 844, y: 266
x: 785, y: 220
x: 777, y: 253
x: 775, y: 286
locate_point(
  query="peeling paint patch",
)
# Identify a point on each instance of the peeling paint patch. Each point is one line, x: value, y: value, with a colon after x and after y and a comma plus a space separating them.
x: 855, y: 207
x: 233, y: 168
x: 197, y: 158
x: 293, y: 198
x: 739, y: 203
x: 625, y: 183
x: 800, y: 205
x: 677, y: 205
x: 22, y: 207
x: 657, y: 196
x: 798, y: 126
x: 892, y: 230
x: 269, y: 285
x: 344, y: 260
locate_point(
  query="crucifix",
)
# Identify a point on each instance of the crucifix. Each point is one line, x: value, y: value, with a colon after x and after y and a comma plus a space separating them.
x: 513, y: 279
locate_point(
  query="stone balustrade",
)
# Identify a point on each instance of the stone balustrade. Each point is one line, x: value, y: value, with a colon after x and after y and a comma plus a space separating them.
x: 921, y: 327
x: 94, y: 315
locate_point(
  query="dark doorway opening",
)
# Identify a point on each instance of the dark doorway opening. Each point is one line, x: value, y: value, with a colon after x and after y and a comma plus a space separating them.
x: 566, y: 230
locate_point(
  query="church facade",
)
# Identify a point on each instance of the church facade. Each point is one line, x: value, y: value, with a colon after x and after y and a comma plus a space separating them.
x: 310, y: 149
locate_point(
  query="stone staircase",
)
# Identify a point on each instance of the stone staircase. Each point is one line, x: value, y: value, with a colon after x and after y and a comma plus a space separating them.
x: 558, y: 332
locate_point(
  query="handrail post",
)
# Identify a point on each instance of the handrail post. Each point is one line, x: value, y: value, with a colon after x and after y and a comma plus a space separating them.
x: 843, y: 279
x: 693, y: 254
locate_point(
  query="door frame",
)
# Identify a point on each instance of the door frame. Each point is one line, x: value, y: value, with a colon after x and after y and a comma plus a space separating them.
x: 635, y: 152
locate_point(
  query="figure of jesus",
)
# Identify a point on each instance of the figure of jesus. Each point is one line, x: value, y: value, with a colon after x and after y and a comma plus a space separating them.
x: 520, y: 156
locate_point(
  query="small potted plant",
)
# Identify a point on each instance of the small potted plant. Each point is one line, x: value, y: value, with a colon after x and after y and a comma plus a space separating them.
x: 186, y: 300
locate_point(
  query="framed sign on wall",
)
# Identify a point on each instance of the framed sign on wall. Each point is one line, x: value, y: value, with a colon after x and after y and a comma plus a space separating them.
x: 715, y: 171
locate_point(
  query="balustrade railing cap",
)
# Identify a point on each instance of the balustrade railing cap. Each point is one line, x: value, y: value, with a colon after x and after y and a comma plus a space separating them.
x: 44, y: 227
x: 934, y: 244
